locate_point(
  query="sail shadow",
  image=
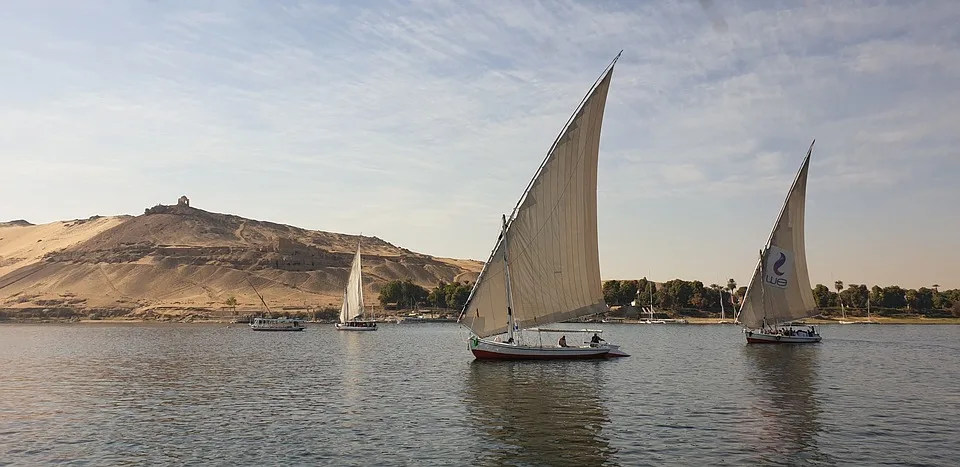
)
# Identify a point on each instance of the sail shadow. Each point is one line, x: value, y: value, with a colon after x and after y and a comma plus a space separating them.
x: 784, y: 419
x: 531, y: 413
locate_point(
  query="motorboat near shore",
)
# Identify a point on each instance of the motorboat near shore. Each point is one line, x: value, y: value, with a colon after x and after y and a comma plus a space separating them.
x: 277, y: 324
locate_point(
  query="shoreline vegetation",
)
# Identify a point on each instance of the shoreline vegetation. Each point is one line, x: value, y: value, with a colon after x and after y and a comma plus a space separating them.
x: 193, y: 319
x: 678, y: 298
x: 628, y: 301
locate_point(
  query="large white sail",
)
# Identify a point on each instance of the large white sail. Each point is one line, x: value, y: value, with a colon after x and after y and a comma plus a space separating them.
x: 353, y: 295
x: 551, y: 238
x: 779, y: 290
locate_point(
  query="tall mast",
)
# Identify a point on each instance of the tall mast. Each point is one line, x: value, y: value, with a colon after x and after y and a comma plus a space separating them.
x: 763, y: 298
x: 652, y: 286
x: 258, y: 295
x: 506, y: 275
x: 721, y: 305
x: 360, y: 277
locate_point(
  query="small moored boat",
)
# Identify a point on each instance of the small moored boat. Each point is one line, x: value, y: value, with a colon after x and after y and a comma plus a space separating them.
x: 273, y: 324
x: 276, y: 324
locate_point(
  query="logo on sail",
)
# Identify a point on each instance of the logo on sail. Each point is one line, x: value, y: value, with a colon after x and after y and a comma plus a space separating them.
x: 779, y: 264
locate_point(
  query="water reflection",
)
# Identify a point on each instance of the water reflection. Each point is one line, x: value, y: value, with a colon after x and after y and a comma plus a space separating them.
x: 785, y: 414
x: 539, y: 414
x: 353, y: 362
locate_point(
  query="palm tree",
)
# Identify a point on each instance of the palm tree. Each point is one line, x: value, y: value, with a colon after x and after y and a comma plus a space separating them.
x: 732, y: 287
x: 935, y: 287
x: 232, y: 303
x: 839, y: 286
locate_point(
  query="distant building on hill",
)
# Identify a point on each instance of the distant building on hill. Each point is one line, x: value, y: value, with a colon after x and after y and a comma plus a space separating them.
x: 183, y: 201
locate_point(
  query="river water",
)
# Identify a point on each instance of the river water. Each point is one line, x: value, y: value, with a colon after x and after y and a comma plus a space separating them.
x: 411, y: 394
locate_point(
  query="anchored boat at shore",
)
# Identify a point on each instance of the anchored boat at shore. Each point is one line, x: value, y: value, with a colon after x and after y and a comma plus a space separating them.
x: 276, y: 324
x: 273, y: 324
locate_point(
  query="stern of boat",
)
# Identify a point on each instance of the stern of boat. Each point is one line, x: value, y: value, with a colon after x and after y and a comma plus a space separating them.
x: 616, y: 352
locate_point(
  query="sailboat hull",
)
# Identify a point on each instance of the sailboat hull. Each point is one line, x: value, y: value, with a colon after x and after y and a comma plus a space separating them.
x: 759, y: 337
x: 489, y: 350
x: 277, y: 329
x: 357, y: 326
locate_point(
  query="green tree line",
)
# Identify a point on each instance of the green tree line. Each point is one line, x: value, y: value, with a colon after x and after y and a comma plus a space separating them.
x: 407, y: 294
x: 678, y: 294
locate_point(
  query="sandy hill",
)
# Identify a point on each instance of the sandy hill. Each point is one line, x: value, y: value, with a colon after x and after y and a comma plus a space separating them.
x: 179, y: 257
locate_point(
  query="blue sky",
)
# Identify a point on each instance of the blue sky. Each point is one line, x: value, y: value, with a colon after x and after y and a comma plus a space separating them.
x: 422, y: 121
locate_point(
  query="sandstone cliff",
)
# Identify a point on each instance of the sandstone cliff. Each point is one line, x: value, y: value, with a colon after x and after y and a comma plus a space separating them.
x: 183, y: 257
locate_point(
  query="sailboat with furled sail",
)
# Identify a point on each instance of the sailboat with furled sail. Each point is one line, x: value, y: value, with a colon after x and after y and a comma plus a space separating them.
x: 545, y: 266
x: 779, y: 291
x: 352, y: 307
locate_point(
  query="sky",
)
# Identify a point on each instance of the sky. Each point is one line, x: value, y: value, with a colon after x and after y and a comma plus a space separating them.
x: 422, y: 121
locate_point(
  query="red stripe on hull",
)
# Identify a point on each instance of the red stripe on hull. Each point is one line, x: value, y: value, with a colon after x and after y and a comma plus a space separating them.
x: 768, y: 341
x: 484, y: 355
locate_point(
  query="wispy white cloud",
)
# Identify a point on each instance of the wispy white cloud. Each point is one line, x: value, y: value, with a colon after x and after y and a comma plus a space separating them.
x: 424, y: 120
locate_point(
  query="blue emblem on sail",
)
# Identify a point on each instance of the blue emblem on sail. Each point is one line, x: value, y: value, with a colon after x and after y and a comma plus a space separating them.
x: 778, y: 266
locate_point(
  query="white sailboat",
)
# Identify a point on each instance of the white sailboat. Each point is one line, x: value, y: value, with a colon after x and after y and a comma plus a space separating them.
x: 869, y: 320
x: 843, y: 312
x: 545, y: 266
x: 650, y: 311
x: 352, y: 307
x: 723, y: 312
x: 779, y: 291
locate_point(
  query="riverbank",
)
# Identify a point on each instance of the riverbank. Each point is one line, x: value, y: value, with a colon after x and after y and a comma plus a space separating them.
x: 818, y: 321
x: 690, y: 321
x: 166, y: 319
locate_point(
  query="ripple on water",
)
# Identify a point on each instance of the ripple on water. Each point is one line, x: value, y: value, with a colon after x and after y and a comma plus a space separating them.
x: 411, y: 394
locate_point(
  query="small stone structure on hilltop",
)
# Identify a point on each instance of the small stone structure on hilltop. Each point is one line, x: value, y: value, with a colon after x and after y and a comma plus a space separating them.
x: 182, y: 202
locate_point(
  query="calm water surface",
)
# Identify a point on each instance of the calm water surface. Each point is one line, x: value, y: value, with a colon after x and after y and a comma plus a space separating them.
x: 108, y: 394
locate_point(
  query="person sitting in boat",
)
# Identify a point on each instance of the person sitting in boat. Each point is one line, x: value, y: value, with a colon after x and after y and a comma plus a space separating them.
x: 563, y: 341
x: 595, y: 340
